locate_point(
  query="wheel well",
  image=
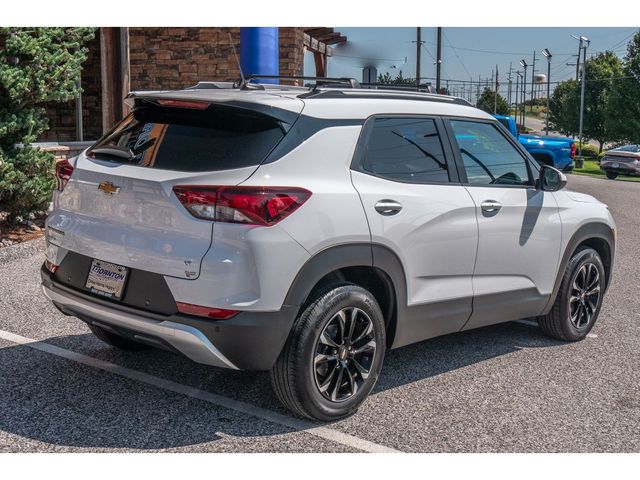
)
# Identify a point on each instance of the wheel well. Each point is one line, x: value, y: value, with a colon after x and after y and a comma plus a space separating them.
x: 372, y: 279
x: 543, y: 158
x: 603, y: 249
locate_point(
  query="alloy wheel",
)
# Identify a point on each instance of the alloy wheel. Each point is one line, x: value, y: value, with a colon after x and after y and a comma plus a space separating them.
x: 584, y: 295
x: 344, y: 354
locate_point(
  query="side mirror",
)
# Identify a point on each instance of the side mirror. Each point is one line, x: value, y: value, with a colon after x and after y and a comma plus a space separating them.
x: 551, y: 179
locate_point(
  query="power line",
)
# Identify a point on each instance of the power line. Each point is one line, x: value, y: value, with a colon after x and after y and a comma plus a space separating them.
x: 456, y: 54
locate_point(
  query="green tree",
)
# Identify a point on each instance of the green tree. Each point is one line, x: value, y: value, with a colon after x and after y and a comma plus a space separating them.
x: 397, y: 80
x: 564, y: 106
x: 624, y: 103
x: 487, y: 102
x: 603, y: 70
x: 37, y: 66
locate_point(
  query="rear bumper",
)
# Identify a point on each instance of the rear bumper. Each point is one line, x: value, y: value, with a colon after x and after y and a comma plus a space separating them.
x: 248, y: 341
x: 621, y: 169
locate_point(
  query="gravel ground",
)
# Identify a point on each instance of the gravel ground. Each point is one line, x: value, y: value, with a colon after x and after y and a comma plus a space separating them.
x: 504, y: 388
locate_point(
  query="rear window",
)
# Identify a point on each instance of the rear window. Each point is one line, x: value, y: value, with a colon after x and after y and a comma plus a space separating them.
x: 216, y: 138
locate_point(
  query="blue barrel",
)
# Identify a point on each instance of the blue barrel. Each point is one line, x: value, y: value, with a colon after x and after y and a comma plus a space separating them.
x: 259, y: 52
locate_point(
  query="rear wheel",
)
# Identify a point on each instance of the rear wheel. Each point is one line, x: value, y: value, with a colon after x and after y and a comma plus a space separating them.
x: 116, y: 340
x: 611, y: 175
x: 333, y: 356
x: 576, y: 308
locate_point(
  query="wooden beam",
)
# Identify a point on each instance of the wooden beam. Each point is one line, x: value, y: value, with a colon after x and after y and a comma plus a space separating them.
x: 321, y: 64
x: 314, y: 32
x: 335, y: 40
x: 114, y: 74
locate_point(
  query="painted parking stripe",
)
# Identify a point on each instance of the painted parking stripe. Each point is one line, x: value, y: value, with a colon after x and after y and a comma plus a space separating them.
x: 242, y: 407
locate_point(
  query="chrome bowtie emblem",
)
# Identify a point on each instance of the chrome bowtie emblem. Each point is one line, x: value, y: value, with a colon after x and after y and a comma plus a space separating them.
x: 108, y: 188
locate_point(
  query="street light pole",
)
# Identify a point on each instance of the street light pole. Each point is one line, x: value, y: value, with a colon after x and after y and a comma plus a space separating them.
x: 517, y: 112
x: 547, y: 54
x: 586, y: 42
x: 524, y: 91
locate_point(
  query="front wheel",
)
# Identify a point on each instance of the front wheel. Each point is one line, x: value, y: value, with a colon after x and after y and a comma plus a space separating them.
x: 612, y: 175
x: 576, y: 308
x: 333, y: 356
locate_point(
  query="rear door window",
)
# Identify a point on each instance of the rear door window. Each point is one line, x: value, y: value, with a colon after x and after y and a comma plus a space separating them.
x: 405, y: 150
x: 190, y: 140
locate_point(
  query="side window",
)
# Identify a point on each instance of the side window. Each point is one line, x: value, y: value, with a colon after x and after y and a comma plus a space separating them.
x: 406, y: 150
x: 488, y: 157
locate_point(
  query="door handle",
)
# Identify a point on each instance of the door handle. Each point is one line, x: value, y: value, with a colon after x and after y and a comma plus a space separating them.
x: 387, y: 207
x: 490, y: 206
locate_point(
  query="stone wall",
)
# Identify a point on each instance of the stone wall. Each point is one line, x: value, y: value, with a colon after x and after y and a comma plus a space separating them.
x: 166, y: 58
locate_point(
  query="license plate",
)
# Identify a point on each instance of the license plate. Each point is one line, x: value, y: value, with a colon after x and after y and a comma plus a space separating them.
x: 106, y: 279
x: 615, y: 165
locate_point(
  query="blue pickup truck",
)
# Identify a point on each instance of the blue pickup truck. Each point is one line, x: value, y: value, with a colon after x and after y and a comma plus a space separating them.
x: 557, y: 152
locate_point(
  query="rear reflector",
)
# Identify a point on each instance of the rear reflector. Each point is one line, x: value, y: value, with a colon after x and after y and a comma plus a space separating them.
x: 52, y: 267
x: 209, y: 312
x: 182, y: 104
x: 63, y: 173
x: 264, y: 206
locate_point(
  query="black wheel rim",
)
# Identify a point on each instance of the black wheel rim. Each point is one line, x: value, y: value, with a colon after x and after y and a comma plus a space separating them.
x: 584, y: 296
x: 344, y: 354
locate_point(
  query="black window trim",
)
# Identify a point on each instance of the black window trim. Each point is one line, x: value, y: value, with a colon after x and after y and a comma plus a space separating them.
x: 532, y: 167
x: 365, y: 134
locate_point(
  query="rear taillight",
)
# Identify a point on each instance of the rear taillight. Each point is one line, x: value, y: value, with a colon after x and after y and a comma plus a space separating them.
x: 264, y: 206
x: 209, y: 312
x: 63, y: 173
x: 573, y: 150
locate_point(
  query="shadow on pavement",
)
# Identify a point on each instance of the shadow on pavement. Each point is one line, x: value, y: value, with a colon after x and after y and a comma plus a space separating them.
x: 53, y: 400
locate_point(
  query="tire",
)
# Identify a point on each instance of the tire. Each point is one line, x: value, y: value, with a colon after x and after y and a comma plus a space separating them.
x: 308, y: 388
x: 564, y: 321
x: 611, y: 175
x: 117, y: 341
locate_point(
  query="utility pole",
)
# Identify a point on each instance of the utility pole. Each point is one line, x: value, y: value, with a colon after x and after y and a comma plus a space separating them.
x: 586, y: 42
x: 580, y: 39
x: 533, y: 80
x: 509, y: 82
x: 418, y: 52
x: 517, y: 112
x: 438, y: 58
x: 524, y: 91
x: 547, y: 54
x: 495, y: 94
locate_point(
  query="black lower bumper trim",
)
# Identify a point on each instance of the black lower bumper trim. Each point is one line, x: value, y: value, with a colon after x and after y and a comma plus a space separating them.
x: 250, y: 340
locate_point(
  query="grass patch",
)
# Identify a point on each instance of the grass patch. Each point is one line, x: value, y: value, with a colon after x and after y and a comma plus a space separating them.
x: 592, y: 169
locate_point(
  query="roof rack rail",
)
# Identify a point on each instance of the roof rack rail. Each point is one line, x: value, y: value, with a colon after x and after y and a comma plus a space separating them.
x: 387, y: 94
x: 320, y: 81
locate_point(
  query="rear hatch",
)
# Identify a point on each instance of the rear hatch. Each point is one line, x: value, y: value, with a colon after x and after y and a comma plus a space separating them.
x: 118, y: 205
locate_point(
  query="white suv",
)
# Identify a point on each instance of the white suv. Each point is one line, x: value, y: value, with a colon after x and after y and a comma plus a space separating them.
x: 306, y: 231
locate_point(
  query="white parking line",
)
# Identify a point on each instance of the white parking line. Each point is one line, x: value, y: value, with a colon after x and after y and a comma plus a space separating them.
x: 242, y: 407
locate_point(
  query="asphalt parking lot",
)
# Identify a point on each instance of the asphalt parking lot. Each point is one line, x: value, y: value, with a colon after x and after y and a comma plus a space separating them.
x: 505, y: 388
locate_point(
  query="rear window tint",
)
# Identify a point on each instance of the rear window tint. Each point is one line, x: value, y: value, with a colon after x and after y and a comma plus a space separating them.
x: 189, y: 140
x: 406, y: 150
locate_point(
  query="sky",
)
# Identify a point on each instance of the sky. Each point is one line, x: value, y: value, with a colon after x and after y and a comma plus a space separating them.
x: 468, y: 53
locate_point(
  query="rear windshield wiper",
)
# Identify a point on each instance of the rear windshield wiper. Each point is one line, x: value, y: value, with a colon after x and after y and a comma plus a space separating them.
x: 122, y: 152
x: 118, y: 152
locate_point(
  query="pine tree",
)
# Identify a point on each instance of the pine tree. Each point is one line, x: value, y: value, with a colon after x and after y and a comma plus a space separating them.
x: 37, y: 66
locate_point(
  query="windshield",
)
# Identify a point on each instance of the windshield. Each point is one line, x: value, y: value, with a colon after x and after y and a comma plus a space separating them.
x: 190, y: 140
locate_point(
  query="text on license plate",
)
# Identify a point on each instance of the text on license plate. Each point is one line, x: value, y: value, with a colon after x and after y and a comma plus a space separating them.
x: 106, y: 278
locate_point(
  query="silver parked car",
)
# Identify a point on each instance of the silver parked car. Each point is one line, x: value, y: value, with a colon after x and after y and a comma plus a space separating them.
x: 621, y: 161
x: 307, y: 231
